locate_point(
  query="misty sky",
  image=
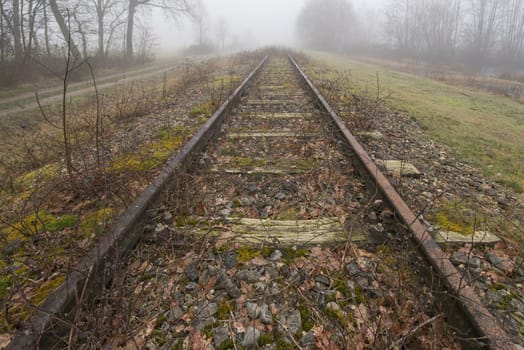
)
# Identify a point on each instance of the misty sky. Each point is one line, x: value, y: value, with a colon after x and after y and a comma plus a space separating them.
x: 259, y: 22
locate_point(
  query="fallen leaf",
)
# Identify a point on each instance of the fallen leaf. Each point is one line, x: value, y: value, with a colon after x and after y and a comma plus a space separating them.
x: 5, y: 339
x: 198, y: 340
x: 239, y: 327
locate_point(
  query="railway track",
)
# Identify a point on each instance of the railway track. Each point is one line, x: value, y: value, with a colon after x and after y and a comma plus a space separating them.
x: 271, y: 229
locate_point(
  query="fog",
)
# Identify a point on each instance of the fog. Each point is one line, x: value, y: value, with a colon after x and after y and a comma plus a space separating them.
x: 480, y: 33
x: 253, y: 23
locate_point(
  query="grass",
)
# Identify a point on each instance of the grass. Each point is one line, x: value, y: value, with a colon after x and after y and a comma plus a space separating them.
x: 486, y: 130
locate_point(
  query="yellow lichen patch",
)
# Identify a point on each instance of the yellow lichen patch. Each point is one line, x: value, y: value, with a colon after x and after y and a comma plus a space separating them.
x: 205, y: 109
x: 20, y: 311
x: 46, y: 172
x: 97, y: 221
x: 152, y: 155
x: 45, y: 289
x: 37, y: 223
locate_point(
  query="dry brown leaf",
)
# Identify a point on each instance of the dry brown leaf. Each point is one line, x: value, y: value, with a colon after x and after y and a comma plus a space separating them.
x: 5, y: 339
x: 198, y: 341
x: 239, y: 327
x: 259, y: 261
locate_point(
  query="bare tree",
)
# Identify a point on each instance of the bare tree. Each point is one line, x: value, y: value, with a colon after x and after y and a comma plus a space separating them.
x: 512, y: 29
x: 201, y: 20
x: 174, y: 8
x: 481, y: 29
x: 440, y: 26
x: 103, y: 10
x: 222, y: 31
x: 3, y: 36
x: 65, y: 30
x: 327, y: 24
x: 16, y: 31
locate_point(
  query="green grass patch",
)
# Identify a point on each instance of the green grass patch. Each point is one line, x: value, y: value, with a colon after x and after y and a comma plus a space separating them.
x: 97, y: 221
x: 38, y: 223
x: 485, y: 129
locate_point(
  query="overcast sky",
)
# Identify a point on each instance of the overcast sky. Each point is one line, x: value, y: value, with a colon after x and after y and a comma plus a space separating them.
x: 260, y: 22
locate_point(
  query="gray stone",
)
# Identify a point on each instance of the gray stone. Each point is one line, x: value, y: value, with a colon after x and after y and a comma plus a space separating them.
x: 226, y: 283
x: 248, y: 275
x: 323, y: 280
x: 291, y: 320
x: 459, y: 258
x: 308, y: 340
x: 225, y: 212
x: 230, y: 260
x: 191, y: 271
x: 247, y: 201
x: 399, y: 168
x: 517, y: 305
x: 352, y: 268
x: 191, y: 286
x: 503, y: 202
x: 176, y: 312
x: 496, y: 261
x: 277, y: 255
x: 265, y: 314
x: 251, y: 338
x: 253, y: 310
x: 475, y: 262
x: 252, y: 189
x: 208, y: 310
x: 280, y: 196
x: 219, y: 335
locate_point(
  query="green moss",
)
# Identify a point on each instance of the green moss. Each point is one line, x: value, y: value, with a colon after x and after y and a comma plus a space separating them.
x: 266, y: 339
x: 288, y: 214
x: 44, y: 173
x: 359, y: 295
x: 6, y: 282
x: 94, y: 223
x: 208, y: 330
x: 38, y: 223
x: 337, y: 315
x: 282, y: 344
x: 178, y: 345
x: 224, y: 310
x: 291, y: 254
x: 45, y: 289
x: 305, y: 315
x: 247, y: 253
x: 498, y: 286
x: 153, y: 154
x: 229, y: 344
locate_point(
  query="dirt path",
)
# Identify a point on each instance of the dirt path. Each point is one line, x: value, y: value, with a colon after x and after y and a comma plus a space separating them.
x: 76, y: 89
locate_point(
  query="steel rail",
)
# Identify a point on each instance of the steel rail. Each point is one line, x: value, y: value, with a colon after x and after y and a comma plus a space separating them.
x: 477, y: 314
x: 53, y: 318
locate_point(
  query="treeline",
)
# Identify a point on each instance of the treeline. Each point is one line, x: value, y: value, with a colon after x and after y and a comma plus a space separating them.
x: 37, y: 31
x: 478, y: 32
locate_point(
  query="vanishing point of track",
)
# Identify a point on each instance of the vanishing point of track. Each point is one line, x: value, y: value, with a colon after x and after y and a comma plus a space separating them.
x: 275, y: 166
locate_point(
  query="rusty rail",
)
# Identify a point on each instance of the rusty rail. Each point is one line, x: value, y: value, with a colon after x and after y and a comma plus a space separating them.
x: 479, y: 317
x: 53, y: 317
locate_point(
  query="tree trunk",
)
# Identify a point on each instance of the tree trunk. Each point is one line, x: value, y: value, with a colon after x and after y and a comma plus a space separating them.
x: 2, y: 33
x: 46, y: 30
x: 16, y: 31
x: 130, y: 26
x: 100, y: 15
x: 65, y: 30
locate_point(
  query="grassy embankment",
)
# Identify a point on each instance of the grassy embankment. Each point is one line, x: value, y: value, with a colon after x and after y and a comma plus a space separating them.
x: 485, y: 130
